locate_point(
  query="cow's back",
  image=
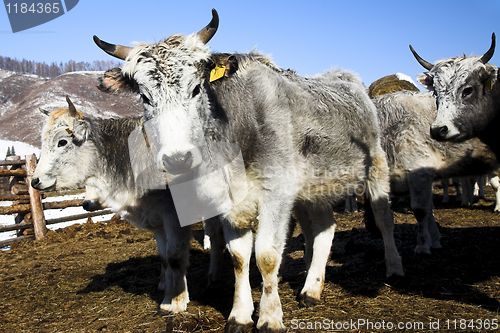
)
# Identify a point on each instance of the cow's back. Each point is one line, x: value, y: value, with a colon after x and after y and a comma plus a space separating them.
x: 321, y: 132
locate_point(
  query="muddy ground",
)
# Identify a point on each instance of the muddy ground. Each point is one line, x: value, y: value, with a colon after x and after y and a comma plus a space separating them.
x: 100, y: 277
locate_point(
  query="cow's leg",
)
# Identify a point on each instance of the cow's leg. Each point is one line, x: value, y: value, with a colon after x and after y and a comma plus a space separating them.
x: 306, y: 229
x: 445, y: 183
x: 421, y: 204
x: 377, y: 191
x: 467, y: 191
x: 269, y: 245
x: 213, y: 229
x: 455, y: 181
x: 495, y: 184
x: 206, y: 237
x: 479, y: 187
x: 176, y: 296
x: 351, y: 204
x: 161, y: 243
x: 239, y: 243
x: 320, y: 224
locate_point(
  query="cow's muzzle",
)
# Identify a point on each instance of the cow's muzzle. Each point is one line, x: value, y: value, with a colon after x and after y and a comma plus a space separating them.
x: 177, y: 164
x: 36, y: 184
x: 90, y: 205
x: 439, y: 133
x: 446, y: 133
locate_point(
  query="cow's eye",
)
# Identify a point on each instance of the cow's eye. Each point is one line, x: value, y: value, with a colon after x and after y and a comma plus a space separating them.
x: 62, y: 143
x: 196, y: 90
x: 467, y: 91
x: 145, y: 99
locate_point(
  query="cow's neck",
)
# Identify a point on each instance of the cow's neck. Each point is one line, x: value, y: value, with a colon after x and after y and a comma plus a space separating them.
x: 112, y: 148
x: 489, y: 135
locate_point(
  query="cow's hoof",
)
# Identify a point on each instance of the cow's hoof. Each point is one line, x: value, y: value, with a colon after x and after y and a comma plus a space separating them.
x: 163, y: 313
x: 305, y: 300
x: 265, y: 329
x: 397, y: 281
x: 423, y: 249
x: 233, y: 327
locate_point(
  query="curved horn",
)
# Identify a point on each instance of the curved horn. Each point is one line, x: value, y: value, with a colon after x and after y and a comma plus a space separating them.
x: 45, y: 112
x: 487, y: 56
x: 72, y: 109
x: 427, y: 65
x: 118, y: 51
x: 208, y: 32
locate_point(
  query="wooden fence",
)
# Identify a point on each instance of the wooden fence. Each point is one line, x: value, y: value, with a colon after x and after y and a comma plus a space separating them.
x: 27, y: 202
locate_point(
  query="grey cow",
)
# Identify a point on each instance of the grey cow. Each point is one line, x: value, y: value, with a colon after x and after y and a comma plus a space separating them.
x: 468, y: 97
x: 303, y: 142
x: 416, y: 161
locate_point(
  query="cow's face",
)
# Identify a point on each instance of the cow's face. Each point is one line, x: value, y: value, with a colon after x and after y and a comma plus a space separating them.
x: 460, y: 86
x: 172, y: 78
x: 463, y: 88
x: 67, y: 156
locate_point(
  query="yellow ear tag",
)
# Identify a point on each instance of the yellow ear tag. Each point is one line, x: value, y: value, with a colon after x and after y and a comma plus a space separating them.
x: 69, y: 131
x: 217, y: 73
x: 488, y: 85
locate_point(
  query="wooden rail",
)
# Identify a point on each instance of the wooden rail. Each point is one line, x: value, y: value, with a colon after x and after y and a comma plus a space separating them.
x: 14, y: 173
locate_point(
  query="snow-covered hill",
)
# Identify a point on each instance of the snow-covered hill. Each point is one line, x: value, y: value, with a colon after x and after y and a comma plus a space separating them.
x: 21, y: 95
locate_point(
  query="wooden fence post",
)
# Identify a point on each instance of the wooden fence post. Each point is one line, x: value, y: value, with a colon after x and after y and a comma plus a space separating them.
x: 35, y: 200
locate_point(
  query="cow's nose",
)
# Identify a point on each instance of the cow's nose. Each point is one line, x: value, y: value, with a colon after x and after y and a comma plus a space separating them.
x: 439, y: 133
x: 35, y: 183
x: 178, y: 163
x: 86, y: 205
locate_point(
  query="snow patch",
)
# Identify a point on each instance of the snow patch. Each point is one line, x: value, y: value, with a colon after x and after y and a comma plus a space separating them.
x: 405, y: 77
x: 22, y: 149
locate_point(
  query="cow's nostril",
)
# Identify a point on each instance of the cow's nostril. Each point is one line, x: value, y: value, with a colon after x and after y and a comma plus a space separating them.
x: 178, y: 163
x: 443, y: 130
x: 35, y: 183
x: 439, y: 133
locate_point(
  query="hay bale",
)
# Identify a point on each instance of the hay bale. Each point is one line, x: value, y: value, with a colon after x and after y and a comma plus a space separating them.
x: 389, y: 84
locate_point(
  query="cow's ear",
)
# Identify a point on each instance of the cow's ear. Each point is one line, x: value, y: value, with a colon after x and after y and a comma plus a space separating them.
x: 232, y: 66
x: 223, y: 66
x: 487, y: 75
x: 114, y: 82
x: 426, y: 80
x: 492, y: 71
x: 80, y: 131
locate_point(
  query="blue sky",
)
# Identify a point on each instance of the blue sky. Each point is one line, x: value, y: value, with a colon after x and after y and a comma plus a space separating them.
x: 368, y: 37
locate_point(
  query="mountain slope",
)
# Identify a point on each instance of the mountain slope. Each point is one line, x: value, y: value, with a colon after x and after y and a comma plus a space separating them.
x: 21, y: 95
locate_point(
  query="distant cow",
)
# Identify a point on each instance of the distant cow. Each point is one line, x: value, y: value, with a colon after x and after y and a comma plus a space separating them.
x: 79, y: 150
x: 416, y: 161
x: 303, y: 142
x: 468, y: 97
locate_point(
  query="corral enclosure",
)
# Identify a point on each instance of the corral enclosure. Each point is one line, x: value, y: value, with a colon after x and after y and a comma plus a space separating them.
x: 23, y: 210
x: 103, y: 277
